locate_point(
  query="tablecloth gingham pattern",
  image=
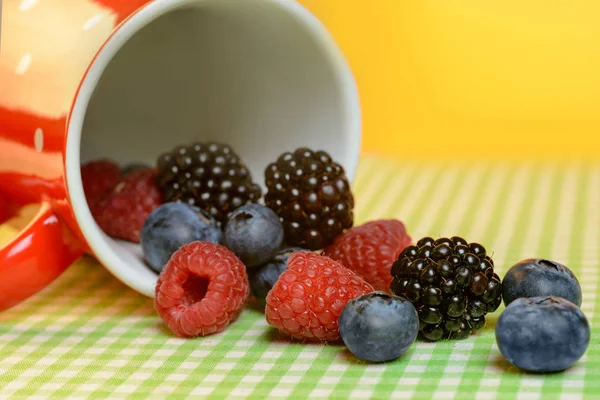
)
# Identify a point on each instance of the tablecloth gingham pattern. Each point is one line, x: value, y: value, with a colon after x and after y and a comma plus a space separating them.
x: 88, y: 336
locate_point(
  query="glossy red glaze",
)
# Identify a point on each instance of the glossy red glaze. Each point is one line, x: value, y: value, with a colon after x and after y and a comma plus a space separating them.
x: 35, y: 258
x: 7, y: 209
x: 47, y: 48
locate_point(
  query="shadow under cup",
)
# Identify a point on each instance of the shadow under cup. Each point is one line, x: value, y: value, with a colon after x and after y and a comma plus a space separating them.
x: 260, y: 75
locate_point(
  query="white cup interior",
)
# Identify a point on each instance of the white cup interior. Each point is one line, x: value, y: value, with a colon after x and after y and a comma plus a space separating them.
x: 261, y: 75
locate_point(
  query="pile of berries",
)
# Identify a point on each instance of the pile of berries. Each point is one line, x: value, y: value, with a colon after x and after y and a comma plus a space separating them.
x: 306, y: 190
x: 198, y: 218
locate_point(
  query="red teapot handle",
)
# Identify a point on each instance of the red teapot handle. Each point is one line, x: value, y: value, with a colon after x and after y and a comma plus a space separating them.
x: 37, y: 256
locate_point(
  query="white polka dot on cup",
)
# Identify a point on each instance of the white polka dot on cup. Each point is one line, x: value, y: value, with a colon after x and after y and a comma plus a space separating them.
x: 90, y: 23
x: 26, y: 5
x: 38, y: 140
x: 23, y: 64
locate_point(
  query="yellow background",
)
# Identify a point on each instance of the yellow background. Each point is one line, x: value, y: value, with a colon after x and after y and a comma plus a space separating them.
x: 473, y: 78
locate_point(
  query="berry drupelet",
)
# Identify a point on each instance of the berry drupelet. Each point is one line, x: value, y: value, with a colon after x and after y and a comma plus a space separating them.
x: 311, y: 195
x: 451, y: 283
x: 209, y: 176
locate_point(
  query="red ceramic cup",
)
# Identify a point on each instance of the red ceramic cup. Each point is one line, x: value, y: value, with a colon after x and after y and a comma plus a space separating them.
x: 129, y: 79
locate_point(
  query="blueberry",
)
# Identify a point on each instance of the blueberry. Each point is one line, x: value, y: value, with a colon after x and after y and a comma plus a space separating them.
x: 265, y: 276
x: 254, y: 233
x: 379, y: 327
x: 542, y: 334
x: 535, y: 277
x: 171, y: 226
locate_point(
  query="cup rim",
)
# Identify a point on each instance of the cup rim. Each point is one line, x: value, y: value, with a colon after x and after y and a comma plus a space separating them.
x: 96, y: 239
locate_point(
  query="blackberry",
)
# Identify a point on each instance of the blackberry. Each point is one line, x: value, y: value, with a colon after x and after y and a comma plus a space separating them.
x: 451, y: 283
x: 209, y: 176
x: 311, y: 195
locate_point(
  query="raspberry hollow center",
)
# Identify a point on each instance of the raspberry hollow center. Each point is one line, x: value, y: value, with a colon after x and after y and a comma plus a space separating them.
x: 194, y: 290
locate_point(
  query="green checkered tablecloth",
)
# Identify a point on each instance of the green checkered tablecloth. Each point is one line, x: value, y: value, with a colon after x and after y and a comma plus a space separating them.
x: 88, y: 336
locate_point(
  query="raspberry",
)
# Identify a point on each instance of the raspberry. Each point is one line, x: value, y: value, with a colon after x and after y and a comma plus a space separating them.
x: 209, y: 176
x: 311, y: 195
x: 308, y: 298
x: 370, y: 250
x: 201, y: 290
x: 98, y: 178
x: 123, y: 211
